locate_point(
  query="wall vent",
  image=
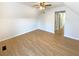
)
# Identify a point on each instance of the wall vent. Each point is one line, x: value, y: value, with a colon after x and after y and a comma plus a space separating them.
x: 4, y: 48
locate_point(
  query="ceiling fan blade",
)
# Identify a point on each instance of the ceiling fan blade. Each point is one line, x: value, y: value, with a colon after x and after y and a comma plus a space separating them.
x: 48, y: 5
x: 35, y: 5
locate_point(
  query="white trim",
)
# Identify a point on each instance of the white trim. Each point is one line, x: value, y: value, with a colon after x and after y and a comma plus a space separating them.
x: 71, y: 37
x: 46, y: 30
x: 16, y: 35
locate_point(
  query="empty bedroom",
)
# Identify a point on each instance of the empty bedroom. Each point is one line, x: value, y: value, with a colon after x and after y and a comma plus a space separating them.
x: 39, y: 28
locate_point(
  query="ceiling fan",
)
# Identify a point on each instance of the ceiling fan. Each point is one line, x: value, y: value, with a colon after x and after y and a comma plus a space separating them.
x: 42, y: 6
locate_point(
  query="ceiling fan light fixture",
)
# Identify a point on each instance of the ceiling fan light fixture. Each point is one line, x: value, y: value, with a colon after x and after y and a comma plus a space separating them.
x: 42, y: 8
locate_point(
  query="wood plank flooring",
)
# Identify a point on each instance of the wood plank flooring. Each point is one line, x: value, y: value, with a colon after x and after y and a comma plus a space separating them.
x: 40, y: 43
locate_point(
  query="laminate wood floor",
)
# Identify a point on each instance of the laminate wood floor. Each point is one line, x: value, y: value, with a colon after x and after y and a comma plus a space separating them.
x: 40, y: 43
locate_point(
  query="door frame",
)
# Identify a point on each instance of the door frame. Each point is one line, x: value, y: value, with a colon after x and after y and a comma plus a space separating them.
x: 63, y: 11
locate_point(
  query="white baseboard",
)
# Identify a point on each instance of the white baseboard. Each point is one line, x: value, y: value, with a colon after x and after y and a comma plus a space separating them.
x: 7, y: 38
x: 33, y: 30
x: 71, y: 37
x: 46, y: 30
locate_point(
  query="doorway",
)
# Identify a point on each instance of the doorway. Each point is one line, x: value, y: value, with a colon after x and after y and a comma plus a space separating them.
x: 59, y: 22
